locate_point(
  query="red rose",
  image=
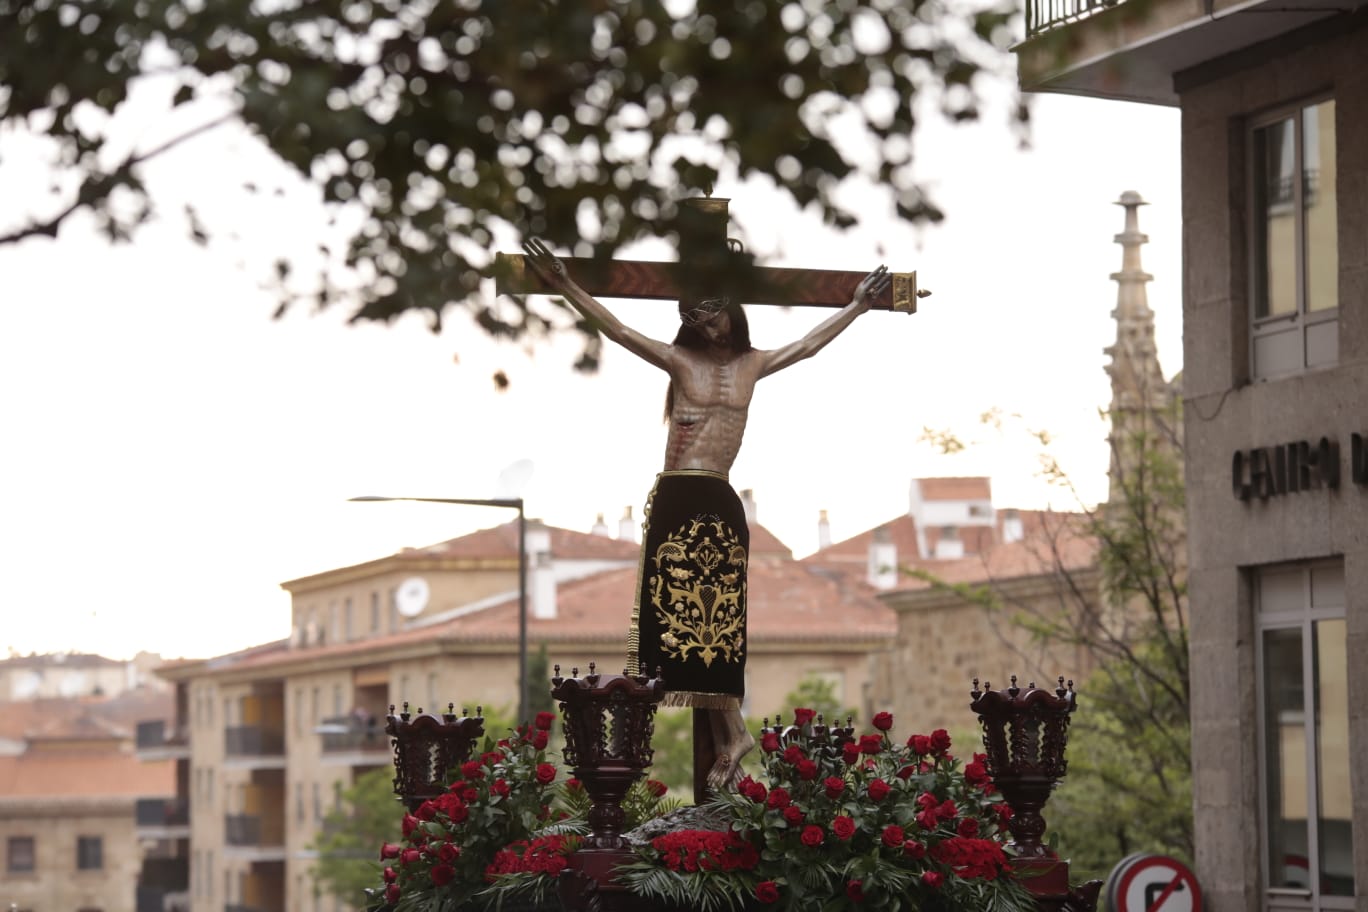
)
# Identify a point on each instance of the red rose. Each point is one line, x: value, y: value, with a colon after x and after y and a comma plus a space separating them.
x: 793, y: 814
x: 893, y: 836
x: 806, y: 769
x: 835, y: 785
x: 927, y: 820
x: 458, y: 813
x: 546, y: 773
x: 1003, y: 811
x: 426, y: 811
x: 968, y: 828
x: 843, y: 827
x: 767, y: 891
x: 793, y: 753
x: 409, y: 856
x: 769, y: 743
x: 871, y: 744
x: 914, y: 850
x: 409, y: 825
x: 448, y: 852
x: 883, y: 721
x: 470, y: 794
x: 573, y: 785
x: 878, y: 789
x: 906, y: 772
x: 976, y: 773
x: 500, y: 788
x: 390, y: 875
x: 855, y: 891
x: 802, y: 717
x: 932, y: 879
x: 947, y: 810
x: 940, y: 741
x: 489, y: 758
x: 389, y: 850
x: 778, y: 799
x: 656, y: 788
x: 850, y: 752
x: 442, y: 874
x: 392, y: 893
x: 752, y: 790
x: 812, y: 836
x: 927, y: 801
x: 544, y: 720
x: 472, y: 770
x: 920, y: 745
x: 539, y: 740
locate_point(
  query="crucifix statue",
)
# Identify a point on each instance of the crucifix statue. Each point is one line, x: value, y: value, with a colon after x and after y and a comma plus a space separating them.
x: 689, y: 617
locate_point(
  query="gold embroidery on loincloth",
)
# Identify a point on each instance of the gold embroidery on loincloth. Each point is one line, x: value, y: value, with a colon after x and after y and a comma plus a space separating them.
x: 698, y: 591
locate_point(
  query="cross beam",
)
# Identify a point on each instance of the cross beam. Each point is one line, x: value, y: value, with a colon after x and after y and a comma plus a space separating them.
x: 662, y: 281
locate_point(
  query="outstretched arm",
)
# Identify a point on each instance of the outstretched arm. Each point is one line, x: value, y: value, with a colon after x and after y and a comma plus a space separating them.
x: 552, y: 271
x: 870, y: 287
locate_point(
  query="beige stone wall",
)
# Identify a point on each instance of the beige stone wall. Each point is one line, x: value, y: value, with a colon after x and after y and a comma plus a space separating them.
x: 207, y: 783
x: 944, y: 642
x: 1225, y: 413
x: 57, y: 885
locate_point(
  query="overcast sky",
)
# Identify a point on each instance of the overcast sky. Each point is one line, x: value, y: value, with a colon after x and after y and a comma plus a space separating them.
x: 172, y: 453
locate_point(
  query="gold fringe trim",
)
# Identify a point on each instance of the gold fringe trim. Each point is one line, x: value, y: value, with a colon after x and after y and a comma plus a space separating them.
x: 698, y: 700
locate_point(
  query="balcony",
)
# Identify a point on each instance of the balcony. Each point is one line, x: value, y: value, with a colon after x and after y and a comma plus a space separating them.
x: 156, y: 740
x: 162, y: 818
x: 253, y: 747
x: 1135, y: 51
x: 253, y: 837
x: 154, y: 899
x: 164, y: 884
x: 349, y: 741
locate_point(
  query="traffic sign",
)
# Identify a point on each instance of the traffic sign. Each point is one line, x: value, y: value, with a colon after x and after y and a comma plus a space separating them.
x: 1153, y: 883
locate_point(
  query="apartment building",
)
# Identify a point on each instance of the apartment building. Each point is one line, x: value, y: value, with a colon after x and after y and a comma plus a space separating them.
x: 1275, y: 190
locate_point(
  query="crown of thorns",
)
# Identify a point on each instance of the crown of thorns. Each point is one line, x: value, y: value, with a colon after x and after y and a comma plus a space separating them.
x: 704, y: 311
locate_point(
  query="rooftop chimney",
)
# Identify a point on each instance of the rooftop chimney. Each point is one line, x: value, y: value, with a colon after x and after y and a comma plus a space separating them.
x: 948, y: 544
x: 748, y: 504
x: 823, y: 530
x: 883, y: 560
x: 600, y: 527
x: 1012, y: 528
x: 627, y: 526
x: 541, y: 572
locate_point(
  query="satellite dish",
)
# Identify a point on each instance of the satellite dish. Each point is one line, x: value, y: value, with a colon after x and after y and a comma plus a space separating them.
x: 514, y: 478
x: 412, y: 596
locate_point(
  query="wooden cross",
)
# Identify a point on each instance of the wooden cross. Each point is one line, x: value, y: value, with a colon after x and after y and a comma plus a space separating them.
x: 705, y: 249
x: 666, y: 281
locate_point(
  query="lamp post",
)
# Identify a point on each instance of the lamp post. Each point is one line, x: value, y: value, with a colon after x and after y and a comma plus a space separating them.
x: 511, y: 503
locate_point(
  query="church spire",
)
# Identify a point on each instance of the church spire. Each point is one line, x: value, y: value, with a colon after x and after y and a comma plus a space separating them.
x: 1136, y: 378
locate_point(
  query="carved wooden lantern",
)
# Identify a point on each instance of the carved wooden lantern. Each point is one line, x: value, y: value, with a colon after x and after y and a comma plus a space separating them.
x: 1025, y: 733
x: 427, y: 748
x: 609, y: 720
x: 829, y: 740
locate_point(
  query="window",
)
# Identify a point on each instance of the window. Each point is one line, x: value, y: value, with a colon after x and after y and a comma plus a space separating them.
x: 89, y: 853
x: 299, y: 711
x: 1295, y: 252
x: 19, y: 855
x: 1304, y: 732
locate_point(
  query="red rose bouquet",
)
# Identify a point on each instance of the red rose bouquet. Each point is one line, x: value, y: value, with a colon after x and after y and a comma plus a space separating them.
x: 845, y: 823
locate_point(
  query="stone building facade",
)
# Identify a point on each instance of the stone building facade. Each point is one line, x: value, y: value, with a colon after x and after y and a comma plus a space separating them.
x: 1275, y: 192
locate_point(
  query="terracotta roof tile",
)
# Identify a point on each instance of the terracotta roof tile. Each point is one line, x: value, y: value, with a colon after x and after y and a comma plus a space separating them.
x: 1063, y: 545
x: 502, y: 541
x: 963, y: 488
x: 50, y: 716
x: 65, y: 774
x: 901, y: 531
x: 764, y: 543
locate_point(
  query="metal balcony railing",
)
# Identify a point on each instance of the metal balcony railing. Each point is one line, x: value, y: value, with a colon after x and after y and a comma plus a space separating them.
x: 1044, y: 15
x: 157, y: 733
x: 159, y: 812
x: 157, y: 899
x: 253, y: 741
x: 347, y: 733
x: 254, y: 830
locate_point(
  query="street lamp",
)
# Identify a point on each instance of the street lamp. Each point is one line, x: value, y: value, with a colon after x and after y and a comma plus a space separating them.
x: 512, y: 503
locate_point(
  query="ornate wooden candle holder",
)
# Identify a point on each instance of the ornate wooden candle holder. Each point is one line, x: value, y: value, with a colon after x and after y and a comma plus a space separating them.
x: 427, y: 748
x: 1025, y: 733
x: 609, y: 720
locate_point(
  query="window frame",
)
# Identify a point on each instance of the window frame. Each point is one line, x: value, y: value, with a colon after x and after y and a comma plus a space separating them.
x: 10, y: 845
x: 1300, y: 318
x: 1278, y: 899
x: 88, y: 845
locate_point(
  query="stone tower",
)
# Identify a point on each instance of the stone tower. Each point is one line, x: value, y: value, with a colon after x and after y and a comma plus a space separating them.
x: 1142, y: 401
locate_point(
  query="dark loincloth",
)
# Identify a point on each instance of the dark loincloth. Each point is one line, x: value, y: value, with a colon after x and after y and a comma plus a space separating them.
x: 689, y: 619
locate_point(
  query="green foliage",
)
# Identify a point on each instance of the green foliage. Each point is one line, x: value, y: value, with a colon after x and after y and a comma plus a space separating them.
x: 539, y: 697
x: 427, y: 126
x: 819, y: 694
x: 352, y: 833
x: 672, y: 743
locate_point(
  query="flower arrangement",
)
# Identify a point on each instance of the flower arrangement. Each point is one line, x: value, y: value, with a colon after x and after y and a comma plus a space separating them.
x: 502, y: 830
x: 842, y: 823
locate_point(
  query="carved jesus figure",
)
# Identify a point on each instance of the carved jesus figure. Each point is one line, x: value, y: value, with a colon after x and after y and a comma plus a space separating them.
x: 690, y: 616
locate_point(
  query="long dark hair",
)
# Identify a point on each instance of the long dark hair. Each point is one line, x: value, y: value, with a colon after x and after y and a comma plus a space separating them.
x: 689, y: 337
